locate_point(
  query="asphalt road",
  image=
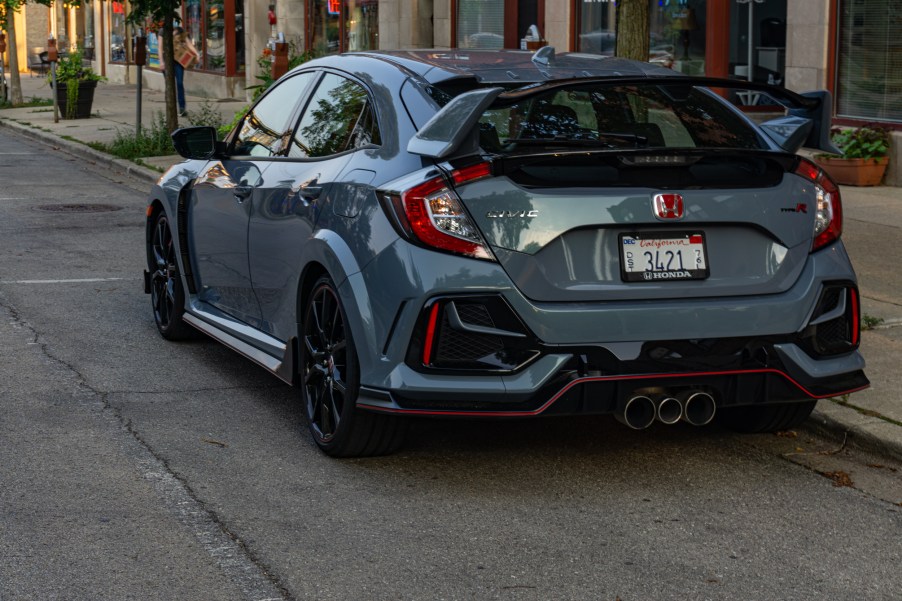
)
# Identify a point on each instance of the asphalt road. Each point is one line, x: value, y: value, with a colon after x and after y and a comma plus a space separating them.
x: 133, y: 468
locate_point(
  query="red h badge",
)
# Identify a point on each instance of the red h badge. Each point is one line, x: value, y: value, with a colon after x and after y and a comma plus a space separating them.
x: 668, y: 206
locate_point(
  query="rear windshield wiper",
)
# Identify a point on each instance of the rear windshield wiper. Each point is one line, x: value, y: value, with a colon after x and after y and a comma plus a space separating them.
x: 595, y: 140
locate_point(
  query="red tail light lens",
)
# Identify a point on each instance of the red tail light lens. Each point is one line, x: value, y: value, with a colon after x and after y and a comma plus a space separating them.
x: 828, y: 216
x: 437, y: 218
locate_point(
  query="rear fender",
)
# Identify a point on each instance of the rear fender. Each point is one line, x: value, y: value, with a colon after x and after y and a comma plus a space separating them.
x: 330, y: 251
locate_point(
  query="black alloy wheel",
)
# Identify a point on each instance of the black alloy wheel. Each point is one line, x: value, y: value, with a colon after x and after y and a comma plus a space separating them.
x: 326, y: 370
x: 166, y: 292
x: 330, y: 382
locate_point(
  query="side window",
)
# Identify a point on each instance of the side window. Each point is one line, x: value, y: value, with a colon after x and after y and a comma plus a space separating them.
x: 338, y: 117
x: 263, y: 130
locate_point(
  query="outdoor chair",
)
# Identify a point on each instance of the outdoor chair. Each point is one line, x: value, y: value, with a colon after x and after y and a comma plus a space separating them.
x: 38, y: 62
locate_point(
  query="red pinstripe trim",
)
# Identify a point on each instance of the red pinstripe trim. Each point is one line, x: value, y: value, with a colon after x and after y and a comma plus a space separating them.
x: 562, y: 391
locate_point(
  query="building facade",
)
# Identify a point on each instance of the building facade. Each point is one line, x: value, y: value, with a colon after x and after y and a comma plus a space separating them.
x: 850, y: 47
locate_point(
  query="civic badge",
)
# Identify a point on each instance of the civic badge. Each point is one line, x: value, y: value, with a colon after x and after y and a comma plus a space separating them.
x: 668, y: 206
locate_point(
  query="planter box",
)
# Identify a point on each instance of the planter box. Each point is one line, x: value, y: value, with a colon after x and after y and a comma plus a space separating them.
x: 85, y: 99
x: 854, y: 172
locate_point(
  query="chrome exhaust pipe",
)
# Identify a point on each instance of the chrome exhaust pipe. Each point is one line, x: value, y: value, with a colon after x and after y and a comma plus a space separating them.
x: 698, y: 407
x: 669, y: 411
x: 638, y: 412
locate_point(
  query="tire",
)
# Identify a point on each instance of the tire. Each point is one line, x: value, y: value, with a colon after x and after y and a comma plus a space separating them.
x: 330, y: 383
x: 766, y: 418
x: 167, y: 296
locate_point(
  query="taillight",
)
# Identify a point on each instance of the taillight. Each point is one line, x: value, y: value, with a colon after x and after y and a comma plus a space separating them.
x: 828, y: 211
x: 436, y: 216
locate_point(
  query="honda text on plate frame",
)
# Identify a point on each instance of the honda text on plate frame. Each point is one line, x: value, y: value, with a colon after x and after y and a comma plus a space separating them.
x: 502, y: 234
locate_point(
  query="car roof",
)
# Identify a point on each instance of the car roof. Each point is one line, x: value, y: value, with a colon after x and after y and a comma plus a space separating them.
x: 506, y: 67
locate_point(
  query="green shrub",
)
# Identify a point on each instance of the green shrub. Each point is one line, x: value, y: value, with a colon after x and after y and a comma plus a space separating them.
x: 865, y: 142
x: 151, y: 142
x: 206, y: 115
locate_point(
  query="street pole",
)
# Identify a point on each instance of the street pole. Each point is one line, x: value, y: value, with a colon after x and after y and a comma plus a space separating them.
x: 140, y: 59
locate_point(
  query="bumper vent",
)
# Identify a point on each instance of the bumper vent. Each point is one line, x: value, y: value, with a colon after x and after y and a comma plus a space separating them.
x: 475, y: 334
x: 834, y: 326
x: 461, y: 348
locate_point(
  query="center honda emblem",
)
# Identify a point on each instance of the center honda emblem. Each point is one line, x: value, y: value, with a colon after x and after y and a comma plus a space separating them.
x: 668, y: 206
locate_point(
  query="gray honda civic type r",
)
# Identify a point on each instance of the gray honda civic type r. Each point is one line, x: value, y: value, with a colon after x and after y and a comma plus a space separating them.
x: 505, y: 234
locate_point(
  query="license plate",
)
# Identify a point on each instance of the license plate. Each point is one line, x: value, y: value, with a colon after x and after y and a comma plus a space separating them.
x: 663, y: 256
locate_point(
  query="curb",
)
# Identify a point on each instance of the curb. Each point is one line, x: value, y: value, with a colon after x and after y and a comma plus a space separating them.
x: 858, y: 435
x: 83, y: 151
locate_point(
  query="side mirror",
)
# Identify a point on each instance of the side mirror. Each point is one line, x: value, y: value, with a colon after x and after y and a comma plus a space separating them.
x: 196, y: 142
x: 789, y: 133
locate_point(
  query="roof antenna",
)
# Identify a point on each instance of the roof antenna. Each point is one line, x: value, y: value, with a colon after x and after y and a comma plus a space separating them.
x: 544, y: 55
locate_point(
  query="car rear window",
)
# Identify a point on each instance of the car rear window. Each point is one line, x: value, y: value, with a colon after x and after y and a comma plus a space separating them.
x: 616, y: 117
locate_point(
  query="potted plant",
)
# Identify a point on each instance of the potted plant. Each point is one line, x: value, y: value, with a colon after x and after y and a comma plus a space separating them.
x: 864, y: 156
x: 75, y: 85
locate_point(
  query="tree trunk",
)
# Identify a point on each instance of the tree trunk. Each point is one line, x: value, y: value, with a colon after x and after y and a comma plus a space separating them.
x: 15, y: 85
x: 632, y: 29
x: 172, y: 120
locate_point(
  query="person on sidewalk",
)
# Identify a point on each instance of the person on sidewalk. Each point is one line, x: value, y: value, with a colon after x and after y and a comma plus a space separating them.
x: 185, y: 57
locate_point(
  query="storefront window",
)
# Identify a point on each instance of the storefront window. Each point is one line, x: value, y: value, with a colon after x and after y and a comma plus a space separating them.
x: 193, y: 24
x: 597, y: 20
x: 763, y: 54
x: 239, y: 36
x: 154, y: 38
x: 325, y: 17
x: 118, y: 33
x: 89, y: 31
x: 480, y: 23
x: 361, y: 25
x: 869, y: 68
x: 676, y: 32
x: 214, y: 46
x: 216, y: 28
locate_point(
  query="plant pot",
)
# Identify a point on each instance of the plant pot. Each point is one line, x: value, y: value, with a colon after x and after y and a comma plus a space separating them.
x: 85, y: 99
x: 854, y: 172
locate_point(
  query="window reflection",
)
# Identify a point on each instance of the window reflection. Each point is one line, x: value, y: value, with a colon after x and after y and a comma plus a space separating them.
x: 337, y: 118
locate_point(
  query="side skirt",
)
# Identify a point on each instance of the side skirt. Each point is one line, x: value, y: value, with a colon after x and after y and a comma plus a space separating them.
x: 282, y: 367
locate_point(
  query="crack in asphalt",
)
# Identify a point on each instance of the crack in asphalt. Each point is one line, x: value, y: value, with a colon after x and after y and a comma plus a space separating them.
x: 235, y: 560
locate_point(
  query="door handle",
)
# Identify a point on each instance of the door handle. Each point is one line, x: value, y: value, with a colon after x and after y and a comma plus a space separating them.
x: 242, y: 192
x: 310, y: 193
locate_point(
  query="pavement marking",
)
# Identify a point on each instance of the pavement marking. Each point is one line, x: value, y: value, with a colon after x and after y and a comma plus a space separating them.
x: 78, y: 281
x: 14, y: 153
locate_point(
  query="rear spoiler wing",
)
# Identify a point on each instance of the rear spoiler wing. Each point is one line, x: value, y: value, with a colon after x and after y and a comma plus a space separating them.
x: 450, y: 132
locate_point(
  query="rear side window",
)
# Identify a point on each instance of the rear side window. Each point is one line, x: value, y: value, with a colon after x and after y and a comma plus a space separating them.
x: 616, y: 117
x: 263, y: 131
x: 338, y: 117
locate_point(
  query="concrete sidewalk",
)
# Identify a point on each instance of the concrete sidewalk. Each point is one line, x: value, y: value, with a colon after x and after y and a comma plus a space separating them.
x: 872, y: 235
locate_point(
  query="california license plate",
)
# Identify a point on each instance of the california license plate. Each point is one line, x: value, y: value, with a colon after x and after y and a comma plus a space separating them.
x: 663, y: 256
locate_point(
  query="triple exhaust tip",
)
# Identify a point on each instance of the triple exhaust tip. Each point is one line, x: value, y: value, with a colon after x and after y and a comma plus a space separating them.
x: 693, y: 406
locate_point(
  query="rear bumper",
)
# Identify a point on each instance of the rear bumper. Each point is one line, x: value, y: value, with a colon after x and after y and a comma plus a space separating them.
x: 593, y: 381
